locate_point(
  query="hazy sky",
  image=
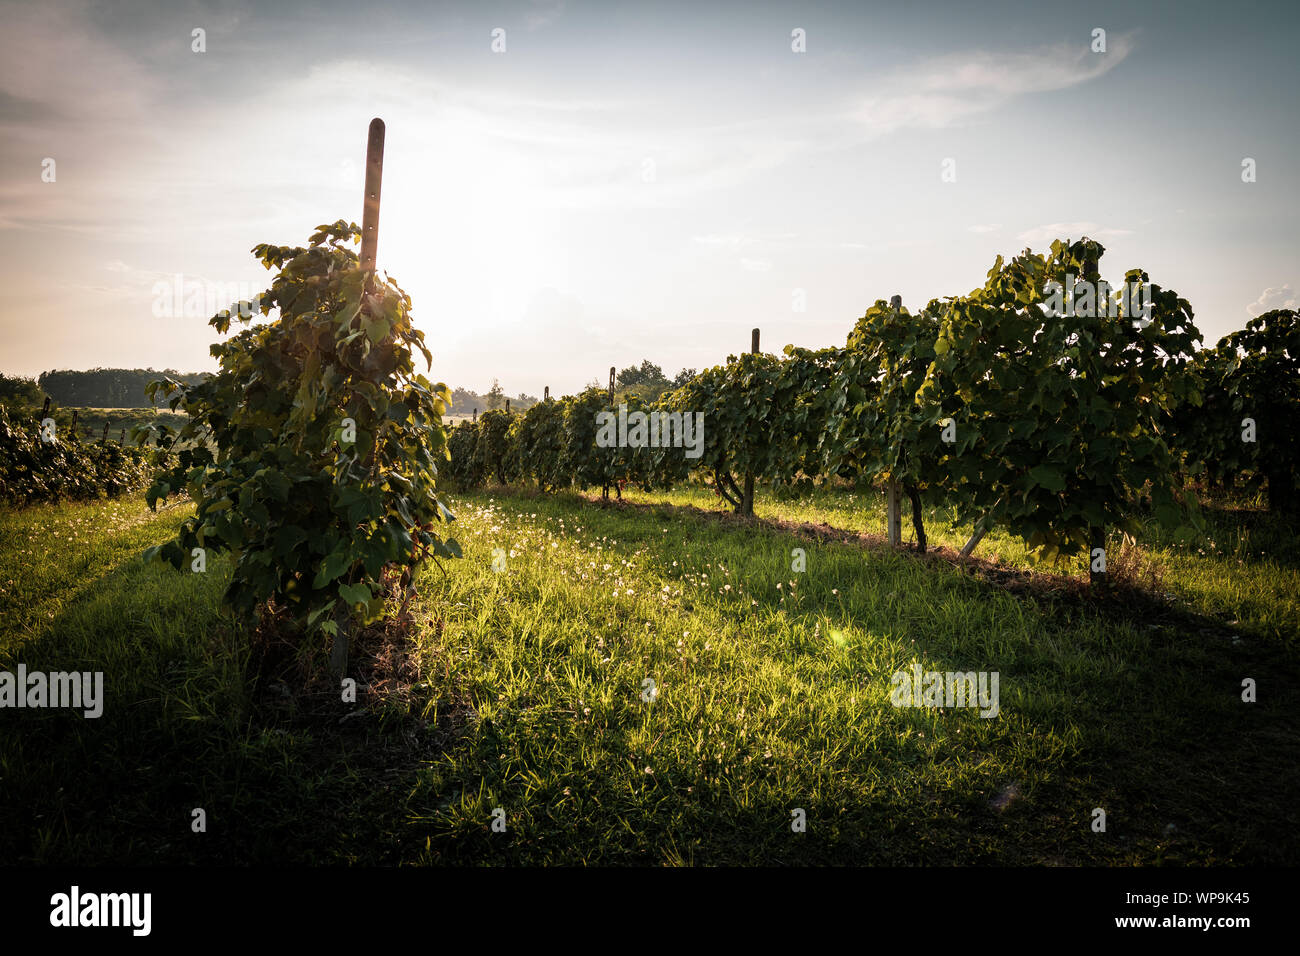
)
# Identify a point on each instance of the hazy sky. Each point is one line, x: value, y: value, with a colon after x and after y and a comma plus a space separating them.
x: 633, y: 180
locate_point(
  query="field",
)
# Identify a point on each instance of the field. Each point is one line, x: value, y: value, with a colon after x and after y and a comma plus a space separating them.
x: 91, y: 421
x: 524, y: 687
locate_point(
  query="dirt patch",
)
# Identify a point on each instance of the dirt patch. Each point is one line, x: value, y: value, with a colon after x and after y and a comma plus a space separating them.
x: 386, y: 725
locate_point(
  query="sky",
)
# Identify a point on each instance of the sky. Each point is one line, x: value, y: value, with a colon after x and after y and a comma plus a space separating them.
x: 629, y: 181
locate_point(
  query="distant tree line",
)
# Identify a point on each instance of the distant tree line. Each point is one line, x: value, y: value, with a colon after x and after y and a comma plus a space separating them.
x: 107, y: 387
x: 464, y: 400
x: 124, y: 388
x: 18, y: 391
x: 646, y: 381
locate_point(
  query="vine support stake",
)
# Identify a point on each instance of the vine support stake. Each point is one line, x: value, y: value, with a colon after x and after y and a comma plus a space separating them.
x: 893, y: 514
x: 893, y: 509
x: 972, y: 542
x: 370, y: 209
x: 747, y: 498
x: 369, y: 249
x: 604, y: 489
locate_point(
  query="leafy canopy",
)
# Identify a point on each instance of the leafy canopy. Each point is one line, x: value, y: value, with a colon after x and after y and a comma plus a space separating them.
x: 312, y: 455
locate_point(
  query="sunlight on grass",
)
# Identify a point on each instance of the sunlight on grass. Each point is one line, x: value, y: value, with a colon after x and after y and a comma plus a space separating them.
x: 643, y: 683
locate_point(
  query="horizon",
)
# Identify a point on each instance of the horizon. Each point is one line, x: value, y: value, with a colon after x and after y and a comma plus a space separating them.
x: 583, y: 200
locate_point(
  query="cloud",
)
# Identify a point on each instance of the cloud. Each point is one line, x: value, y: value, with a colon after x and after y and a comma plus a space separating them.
x: 543, y: 13
x: 944, y: 91
x: 734, y: 240
x: 1063, y: 230
x: 1277, y: 297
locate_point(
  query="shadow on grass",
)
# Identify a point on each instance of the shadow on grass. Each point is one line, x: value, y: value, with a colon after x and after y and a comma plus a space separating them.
x: 280, y: 776
x: 1186, y: 772
x: 1184, y: 768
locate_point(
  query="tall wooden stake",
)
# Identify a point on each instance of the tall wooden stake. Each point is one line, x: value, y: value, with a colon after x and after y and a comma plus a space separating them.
x: 893, y: 511
x: 1096, y: 534
x: 369, y: 250
x: 604, y: 489
x: 370, y: 208
x: 747, y: 498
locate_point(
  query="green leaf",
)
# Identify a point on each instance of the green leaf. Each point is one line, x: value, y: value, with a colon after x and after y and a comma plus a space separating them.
x: 355, y: 593
x: 1047, y: 477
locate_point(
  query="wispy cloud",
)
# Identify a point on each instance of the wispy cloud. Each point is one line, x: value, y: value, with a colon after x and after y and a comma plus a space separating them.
x: 1070, y: 230
x: 947, y: 90
x: 1274, y: 297
x: 543, y: 12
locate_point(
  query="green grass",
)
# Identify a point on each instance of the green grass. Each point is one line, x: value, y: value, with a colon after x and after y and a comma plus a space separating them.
x: 773, y: 694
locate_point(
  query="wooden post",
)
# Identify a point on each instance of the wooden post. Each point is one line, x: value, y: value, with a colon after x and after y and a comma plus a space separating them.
x: 103, y: 439
x: 546, y: 394
x: 747, y: 498
x: 604, y: 488
x: 1096, y: 534
x: 507, y: 406
x: 369, y: 250
x: 121, y: 438
x: 981, y: 528
x: 370, y: 208
x: 75, y: 437
x: 893, y: 509
x: 976, y: 537
x: 893, y: 517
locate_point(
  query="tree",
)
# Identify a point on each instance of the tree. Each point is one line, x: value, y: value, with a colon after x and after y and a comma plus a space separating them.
x: 1057, y: 417
x: 108, y: 387
x: 682, y: 377
x: 1244, y: 419
x: 464, y: 401
x: 311, y: 455
x: 496, y: 396
x: 19, y: 392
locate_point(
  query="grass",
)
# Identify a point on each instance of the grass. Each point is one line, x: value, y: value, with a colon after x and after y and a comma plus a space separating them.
x: 525, y: 691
